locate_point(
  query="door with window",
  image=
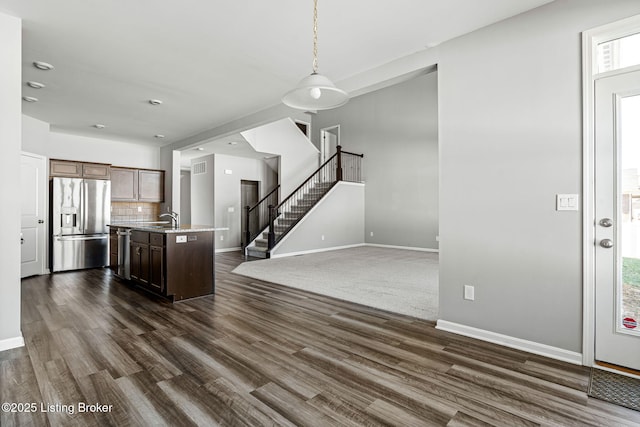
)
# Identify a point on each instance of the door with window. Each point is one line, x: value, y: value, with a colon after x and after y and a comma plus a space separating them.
x: 617, y: 219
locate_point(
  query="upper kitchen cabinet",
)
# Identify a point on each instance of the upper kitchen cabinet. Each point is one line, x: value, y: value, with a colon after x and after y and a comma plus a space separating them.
x: 150, y: 185
x: 72, y: 169
x: 132, y: 185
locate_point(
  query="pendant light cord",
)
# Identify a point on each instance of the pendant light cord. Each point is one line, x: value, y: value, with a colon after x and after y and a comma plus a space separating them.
x: 315, y: 36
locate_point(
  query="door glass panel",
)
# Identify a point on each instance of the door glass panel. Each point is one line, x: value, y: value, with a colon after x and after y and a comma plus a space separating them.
x: 628, y: 295
x: 619, y: 53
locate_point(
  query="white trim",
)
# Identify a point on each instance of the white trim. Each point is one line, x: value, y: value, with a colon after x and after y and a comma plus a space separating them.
x: 590, y: 40
x: 408, y: 248
x: 512, y: 342
x: 228, y: 249
x: 314, y: 251
x: 10, y: 343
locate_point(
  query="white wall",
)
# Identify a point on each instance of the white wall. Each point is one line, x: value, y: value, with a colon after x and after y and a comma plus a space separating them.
x: 510, y: 139
x: 338, y: 217
x: 10, y: 135
x: 299, y: 158
x: 38, y: 139
x: 228, y: 195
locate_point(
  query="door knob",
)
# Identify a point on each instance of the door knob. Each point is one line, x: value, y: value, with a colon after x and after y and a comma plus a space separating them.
x: 40, y: 221
x: 606, y: 243
x: 606, y: 222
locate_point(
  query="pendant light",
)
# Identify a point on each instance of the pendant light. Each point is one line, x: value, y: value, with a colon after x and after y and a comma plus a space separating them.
x: 315, y: 92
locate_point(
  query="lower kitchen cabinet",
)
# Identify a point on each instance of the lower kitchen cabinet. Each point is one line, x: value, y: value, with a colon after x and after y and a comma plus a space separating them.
x: 113, y: 249
x: 156, y: 268
x: 139, y: 257
x: 175, y: 265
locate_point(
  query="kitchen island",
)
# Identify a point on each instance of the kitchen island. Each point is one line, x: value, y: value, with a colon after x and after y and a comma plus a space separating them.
x: 174, y: 262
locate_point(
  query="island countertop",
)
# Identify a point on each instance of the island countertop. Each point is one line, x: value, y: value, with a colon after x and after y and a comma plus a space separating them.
x: 158, y: 227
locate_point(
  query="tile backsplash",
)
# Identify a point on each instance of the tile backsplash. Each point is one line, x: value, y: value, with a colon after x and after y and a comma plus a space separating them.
x: 134, y: 211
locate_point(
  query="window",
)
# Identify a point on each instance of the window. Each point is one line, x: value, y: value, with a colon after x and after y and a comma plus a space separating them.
x: 619, y: 53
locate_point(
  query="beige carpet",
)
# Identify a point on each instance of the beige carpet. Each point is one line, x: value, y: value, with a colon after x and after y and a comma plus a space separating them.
x: 396, y: 280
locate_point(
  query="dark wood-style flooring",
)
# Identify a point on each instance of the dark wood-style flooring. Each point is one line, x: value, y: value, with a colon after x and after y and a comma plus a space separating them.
x: 261, y: 354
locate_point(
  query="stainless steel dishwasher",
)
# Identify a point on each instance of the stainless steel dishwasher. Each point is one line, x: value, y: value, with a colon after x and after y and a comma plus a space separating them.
x: 124, y: 260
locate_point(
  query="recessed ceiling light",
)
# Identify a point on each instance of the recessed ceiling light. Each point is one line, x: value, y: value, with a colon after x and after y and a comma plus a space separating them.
x: 99, y: 126
x: 43, y: 65
x: 160, y: 136
x: 35, y: 85
x: 29, y: 99
x: 155, y: 102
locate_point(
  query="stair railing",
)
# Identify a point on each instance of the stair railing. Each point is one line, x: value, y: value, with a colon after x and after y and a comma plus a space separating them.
x: 342, y: 166
x: 257, y: 216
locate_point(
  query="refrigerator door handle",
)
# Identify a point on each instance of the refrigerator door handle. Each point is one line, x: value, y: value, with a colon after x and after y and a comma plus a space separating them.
x: 74, y: 238
x: 84, y: 207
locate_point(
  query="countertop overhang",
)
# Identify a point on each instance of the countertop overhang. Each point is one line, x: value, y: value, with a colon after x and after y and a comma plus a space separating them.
x: 166, y: 227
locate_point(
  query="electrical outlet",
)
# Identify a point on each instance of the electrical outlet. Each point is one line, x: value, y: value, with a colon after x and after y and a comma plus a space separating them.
x: 371, y: 234
x: 322, y: 237
x: 139, y: 208
x: 469, y: 292
x: 221, y: 237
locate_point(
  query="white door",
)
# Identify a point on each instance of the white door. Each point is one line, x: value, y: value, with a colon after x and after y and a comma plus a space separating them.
x: 617, y: 213
x: 329, y: 140
x: 33, y: 205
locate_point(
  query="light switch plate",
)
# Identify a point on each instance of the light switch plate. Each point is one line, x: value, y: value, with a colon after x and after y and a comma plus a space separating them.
x: 469, y: 293
x: 567, y: 202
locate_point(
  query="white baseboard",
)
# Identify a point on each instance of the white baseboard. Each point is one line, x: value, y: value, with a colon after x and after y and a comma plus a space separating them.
x: 315, y: 251
x: 10, y: 343
x: 228, y: 249
x: 512, y: 342
x: 408, y: 248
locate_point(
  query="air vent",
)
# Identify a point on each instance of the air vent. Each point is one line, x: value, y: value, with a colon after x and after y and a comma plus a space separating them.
x: 199, y: 168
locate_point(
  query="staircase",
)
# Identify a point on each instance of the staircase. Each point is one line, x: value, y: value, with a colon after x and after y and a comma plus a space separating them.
x: 342, y: 166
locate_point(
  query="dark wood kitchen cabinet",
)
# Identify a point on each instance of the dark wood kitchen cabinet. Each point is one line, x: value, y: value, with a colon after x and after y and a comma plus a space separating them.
x: 156, y: 262
x: 132, y: 185
x: 139, y: 257
x: 124, y: 184
x: 113, y: 248
x: 71, y: 169
x: 150, y: 185
x: 176, y: 265
x: 147, y: 260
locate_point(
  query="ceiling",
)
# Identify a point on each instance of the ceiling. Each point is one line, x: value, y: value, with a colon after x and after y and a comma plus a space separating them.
x: 212, y: 61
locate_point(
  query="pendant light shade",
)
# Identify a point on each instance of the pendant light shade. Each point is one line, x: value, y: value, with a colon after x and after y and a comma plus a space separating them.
x: 315, y: 92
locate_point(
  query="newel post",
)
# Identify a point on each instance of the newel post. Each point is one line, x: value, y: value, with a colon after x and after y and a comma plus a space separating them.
x: 272, y: 232
x: 339, y: 165
x: 247, y: 231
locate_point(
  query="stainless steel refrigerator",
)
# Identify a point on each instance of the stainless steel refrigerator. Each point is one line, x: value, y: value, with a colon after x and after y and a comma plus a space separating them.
x: 80, y: 212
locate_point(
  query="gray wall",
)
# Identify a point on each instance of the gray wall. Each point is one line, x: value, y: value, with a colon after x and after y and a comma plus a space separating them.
x: 227, y: 194
x: 510, y: 139
x: 10, y: 135
x: 202, y: 193
x: 338, y: 217
x: 185, y: 197
x: 396, y: 128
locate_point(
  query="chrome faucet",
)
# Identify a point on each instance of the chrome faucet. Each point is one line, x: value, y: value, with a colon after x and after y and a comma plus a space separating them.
x: 175, y: 218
